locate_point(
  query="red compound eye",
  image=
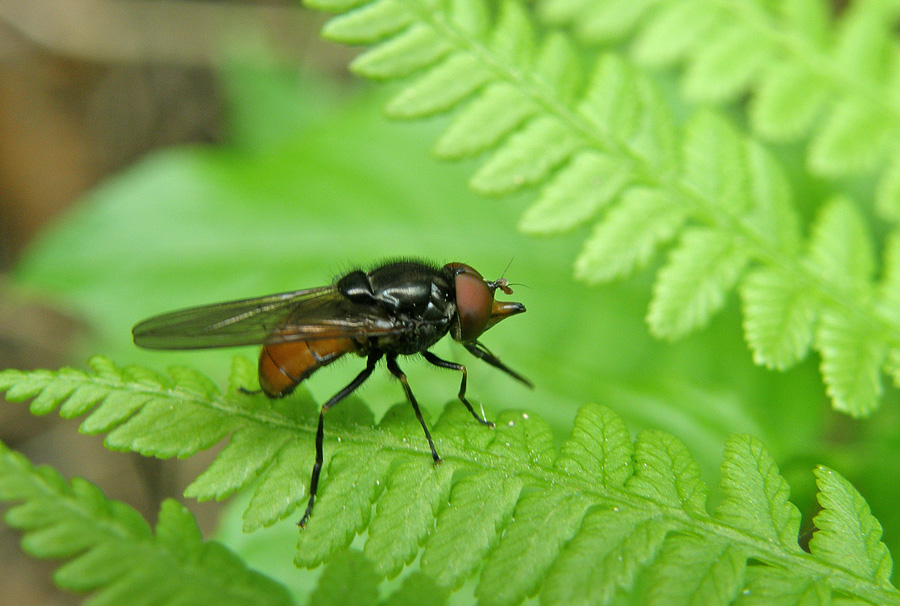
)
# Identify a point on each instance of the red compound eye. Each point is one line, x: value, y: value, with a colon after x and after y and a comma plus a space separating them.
x: 474, y: 300
x: 475, y: 306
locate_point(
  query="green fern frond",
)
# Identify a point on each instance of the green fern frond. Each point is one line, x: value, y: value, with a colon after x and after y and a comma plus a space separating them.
x: 808, y: 74
x: 113, y: 553
x: 609, y: 150
x: 505, y: 509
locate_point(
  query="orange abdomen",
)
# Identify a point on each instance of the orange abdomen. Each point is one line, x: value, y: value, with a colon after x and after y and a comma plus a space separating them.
x: 282, y: 366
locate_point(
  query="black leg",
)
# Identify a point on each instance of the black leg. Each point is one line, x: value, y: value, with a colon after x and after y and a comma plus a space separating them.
x: 480, y: 351
x: 320, y: 432
x: 395, y: 370
x: 462, y: 386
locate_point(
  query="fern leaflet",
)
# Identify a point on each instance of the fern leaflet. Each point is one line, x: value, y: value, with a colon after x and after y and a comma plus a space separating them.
x: 579, y: 524
x: 114, y: 553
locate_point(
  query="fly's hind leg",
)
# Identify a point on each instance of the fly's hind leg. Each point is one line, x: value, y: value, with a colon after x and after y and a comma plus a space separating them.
x: 395, y: 370
x: 320, y: 432
x: 462, y: 386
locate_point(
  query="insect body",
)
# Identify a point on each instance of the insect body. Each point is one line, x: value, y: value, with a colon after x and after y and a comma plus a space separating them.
x: 400, y: 308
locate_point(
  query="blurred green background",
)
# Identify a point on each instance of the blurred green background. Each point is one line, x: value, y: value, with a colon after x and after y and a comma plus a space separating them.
x: 308, y: 180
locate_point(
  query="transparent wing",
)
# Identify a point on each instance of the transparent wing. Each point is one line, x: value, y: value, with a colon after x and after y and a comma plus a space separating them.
x: 303, y: 315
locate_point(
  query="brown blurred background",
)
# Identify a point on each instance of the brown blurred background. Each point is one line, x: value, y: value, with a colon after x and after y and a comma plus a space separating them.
x: 86, y: 88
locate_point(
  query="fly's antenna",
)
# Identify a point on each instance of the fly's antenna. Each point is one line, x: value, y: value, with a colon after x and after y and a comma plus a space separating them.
x: 511, y: 259
x: 502, y: 283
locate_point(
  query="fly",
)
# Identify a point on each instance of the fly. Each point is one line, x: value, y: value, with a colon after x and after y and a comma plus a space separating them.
x: 397, y: 309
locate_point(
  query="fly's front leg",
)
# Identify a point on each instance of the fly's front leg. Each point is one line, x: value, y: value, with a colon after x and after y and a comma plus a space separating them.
x: 480, y: 351
x: 462, y: 386
x: 395, y: 370
x: 320, y: 432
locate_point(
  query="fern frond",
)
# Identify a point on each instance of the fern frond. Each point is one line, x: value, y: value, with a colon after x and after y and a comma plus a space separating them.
x: 113, y: 553
x: 795, y: 60
x: 609, y: 149
x: 505, y: 509
x: 180, y: 414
